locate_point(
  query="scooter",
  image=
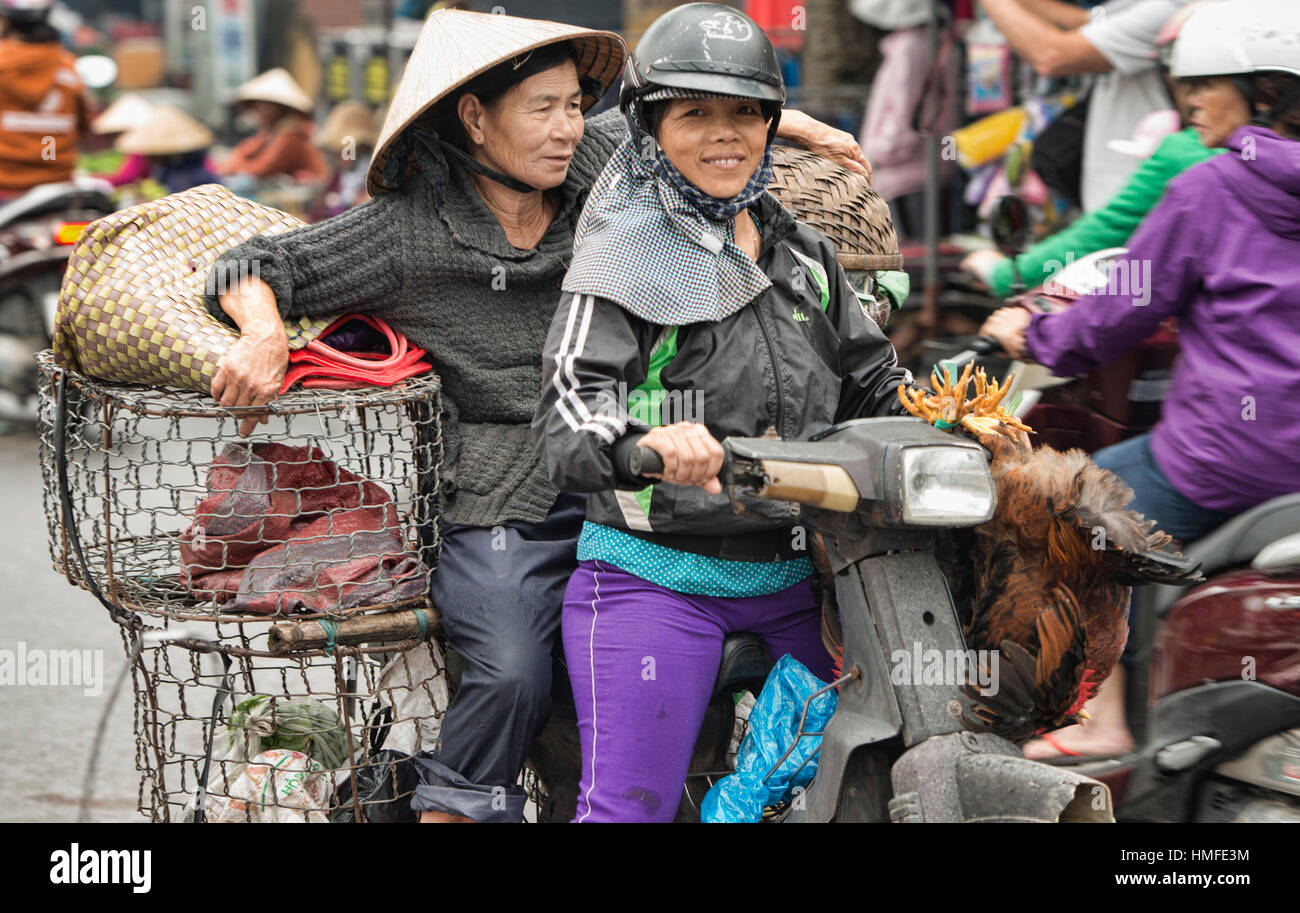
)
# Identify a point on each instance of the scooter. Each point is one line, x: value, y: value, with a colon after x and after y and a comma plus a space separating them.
x: 38, y: 231
x: 887, y: 496
x: 1219, y: 729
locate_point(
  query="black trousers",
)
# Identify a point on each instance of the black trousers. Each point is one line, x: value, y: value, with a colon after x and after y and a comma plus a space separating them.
x: 499, y: 591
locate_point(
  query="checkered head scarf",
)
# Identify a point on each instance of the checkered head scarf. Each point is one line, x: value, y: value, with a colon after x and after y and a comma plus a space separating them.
x: 658, y: 246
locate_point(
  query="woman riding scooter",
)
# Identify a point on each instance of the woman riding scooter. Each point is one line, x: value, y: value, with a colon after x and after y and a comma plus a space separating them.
x: 44, y: 109
x: 695, y: 308
x: 477, y: 181
x: 1218, y: 253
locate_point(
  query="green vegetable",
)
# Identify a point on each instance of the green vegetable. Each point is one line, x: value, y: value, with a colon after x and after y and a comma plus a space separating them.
x: 298, y: 724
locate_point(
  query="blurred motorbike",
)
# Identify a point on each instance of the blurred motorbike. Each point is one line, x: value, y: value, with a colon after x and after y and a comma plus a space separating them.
x: 37, y: 233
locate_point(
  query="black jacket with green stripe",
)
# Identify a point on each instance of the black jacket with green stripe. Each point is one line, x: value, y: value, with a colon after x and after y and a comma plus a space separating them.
x: 798, y: 358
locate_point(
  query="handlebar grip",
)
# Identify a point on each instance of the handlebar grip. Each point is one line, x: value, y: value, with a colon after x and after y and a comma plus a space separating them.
x: 641, y: 460
x: 985, y: 345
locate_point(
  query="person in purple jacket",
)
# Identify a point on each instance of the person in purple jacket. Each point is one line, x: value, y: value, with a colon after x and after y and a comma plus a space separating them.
x: 1221, y: 252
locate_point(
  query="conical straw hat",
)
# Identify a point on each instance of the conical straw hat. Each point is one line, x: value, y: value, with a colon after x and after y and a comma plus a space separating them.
x: 278, y: 86
x: 455, y: 46
x: 127, y: 112
x: 347, y: 119
x: 167, y: 131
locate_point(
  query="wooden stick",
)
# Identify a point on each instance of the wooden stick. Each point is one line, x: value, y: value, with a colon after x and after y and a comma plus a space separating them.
x: 378, y: 628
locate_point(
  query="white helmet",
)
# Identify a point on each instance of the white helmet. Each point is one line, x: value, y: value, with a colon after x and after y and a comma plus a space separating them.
x: 1237, y: 37
x: 32, y: 11
x: 1168, y: 33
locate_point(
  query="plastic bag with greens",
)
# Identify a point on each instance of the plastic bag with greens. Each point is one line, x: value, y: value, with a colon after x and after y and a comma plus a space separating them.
x: 297, y: 724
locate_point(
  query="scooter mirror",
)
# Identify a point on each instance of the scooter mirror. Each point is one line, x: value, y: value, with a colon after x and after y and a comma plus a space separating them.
x: 96, y: 71
x: 1011, y: 225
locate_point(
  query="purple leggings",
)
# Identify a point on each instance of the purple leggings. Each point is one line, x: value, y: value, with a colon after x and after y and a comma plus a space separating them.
x: 642, y: 660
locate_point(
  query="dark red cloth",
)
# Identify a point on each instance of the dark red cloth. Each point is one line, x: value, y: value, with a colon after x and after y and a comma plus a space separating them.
x: 285, y: 529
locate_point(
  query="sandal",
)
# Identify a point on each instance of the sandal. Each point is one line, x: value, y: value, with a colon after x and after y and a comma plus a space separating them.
x: 1068, y: 756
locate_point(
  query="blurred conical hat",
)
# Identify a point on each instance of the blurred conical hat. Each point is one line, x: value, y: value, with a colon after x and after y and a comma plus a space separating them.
x: 455, y: 46
x: 278, y: 86
x: 166, y: 131
x: 123, y: 114
x: 347, y: 119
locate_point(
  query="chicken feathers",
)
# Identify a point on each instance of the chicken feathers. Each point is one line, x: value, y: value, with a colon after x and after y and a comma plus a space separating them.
x: 1052, y: 569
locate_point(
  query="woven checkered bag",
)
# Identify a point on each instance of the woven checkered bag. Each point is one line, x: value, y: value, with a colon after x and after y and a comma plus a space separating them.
x: 839, y: 204
x: 131, y: 306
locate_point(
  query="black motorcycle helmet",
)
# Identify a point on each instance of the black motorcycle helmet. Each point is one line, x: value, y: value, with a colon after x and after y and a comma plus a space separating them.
x: 707, y: 48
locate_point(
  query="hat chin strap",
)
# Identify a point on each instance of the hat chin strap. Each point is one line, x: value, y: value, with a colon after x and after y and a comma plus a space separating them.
x: 478, y: 167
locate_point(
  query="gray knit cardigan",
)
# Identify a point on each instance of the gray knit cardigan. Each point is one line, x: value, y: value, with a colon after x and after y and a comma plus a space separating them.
x: 435, y: 263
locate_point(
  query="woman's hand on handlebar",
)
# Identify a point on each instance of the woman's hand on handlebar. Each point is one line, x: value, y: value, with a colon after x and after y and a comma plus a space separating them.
x: 1008, y: 326
x: 252, y: 371
x: 691, y: 455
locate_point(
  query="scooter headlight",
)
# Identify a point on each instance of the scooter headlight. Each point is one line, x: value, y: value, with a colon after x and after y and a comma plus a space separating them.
x: 947, y: 486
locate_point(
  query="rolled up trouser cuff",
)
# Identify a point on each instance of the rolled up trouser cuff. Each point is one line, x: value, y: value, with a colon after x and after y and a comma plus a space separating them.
x: 444, y: 790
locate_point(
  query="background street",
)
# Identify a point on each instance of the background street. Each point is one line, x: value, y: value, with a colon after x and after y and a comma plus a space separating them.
x: 46, y: 732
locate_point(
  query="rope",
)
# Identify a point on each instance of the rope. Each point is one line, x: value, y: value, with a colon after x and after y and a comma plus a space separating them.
x: 331, y: 630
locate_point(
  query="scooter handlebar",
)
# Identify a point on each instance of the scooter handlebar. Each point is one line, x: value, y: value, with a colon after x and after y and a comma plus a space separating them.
x: 640, y: 460
x: 985, y: 345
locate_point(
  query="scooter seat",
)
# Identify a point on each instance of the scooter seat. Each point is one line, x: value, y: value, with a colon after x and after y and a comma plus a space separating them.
x: 84, y: 193
x: 1234, y: 543
x: 745, y: 664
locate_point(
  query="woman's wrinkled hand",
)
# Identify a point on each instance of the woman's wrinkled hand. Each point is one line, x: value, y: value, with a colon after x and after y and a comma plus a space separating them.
x: 251, y: 373
x: 830, y: 143
x: 691, y: 455
x: 1008, y: 326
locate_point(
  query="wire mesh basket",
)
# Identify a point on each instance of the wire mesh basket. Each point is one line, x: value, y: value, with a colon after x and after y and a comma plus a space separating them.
x: 272, y: 596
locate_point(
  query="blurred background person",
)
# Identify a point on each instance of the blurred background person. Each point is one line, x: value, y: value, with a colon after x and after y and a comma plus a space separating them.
x: 116, y: 167
x: 1163, y: 154
x: 282, y: 144
x: 1117, y: 41
x: 1220, y: 249
x: 174, y: 147
x: 44, y: 110
x: 347, y: 138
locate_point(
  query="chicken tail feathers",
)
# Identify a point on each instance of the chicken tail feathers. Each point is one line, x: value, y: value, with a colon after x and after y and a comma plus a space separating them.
x: 1102, y: 516
x: 1033, y: 691
x: 1159, y: 567
x: 1010, y: 708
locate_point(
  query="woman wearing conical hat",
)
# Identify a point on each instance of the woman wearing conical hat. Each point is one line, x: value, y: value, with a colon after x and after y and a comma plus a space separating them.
x: 282, y: 144
x: 122, y: 115
x: 174, y: 146
x: 478, y: 178
x: 347, y: 138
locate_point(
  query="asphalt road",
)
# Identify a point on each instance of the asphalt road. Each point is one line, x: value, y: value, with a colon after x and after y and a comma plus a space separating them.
x: 46, y: 729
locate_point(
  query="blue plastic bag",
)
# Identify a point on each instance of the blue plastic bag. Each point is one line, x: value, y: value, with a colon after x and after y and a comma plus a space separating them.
x: 773, y: 724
